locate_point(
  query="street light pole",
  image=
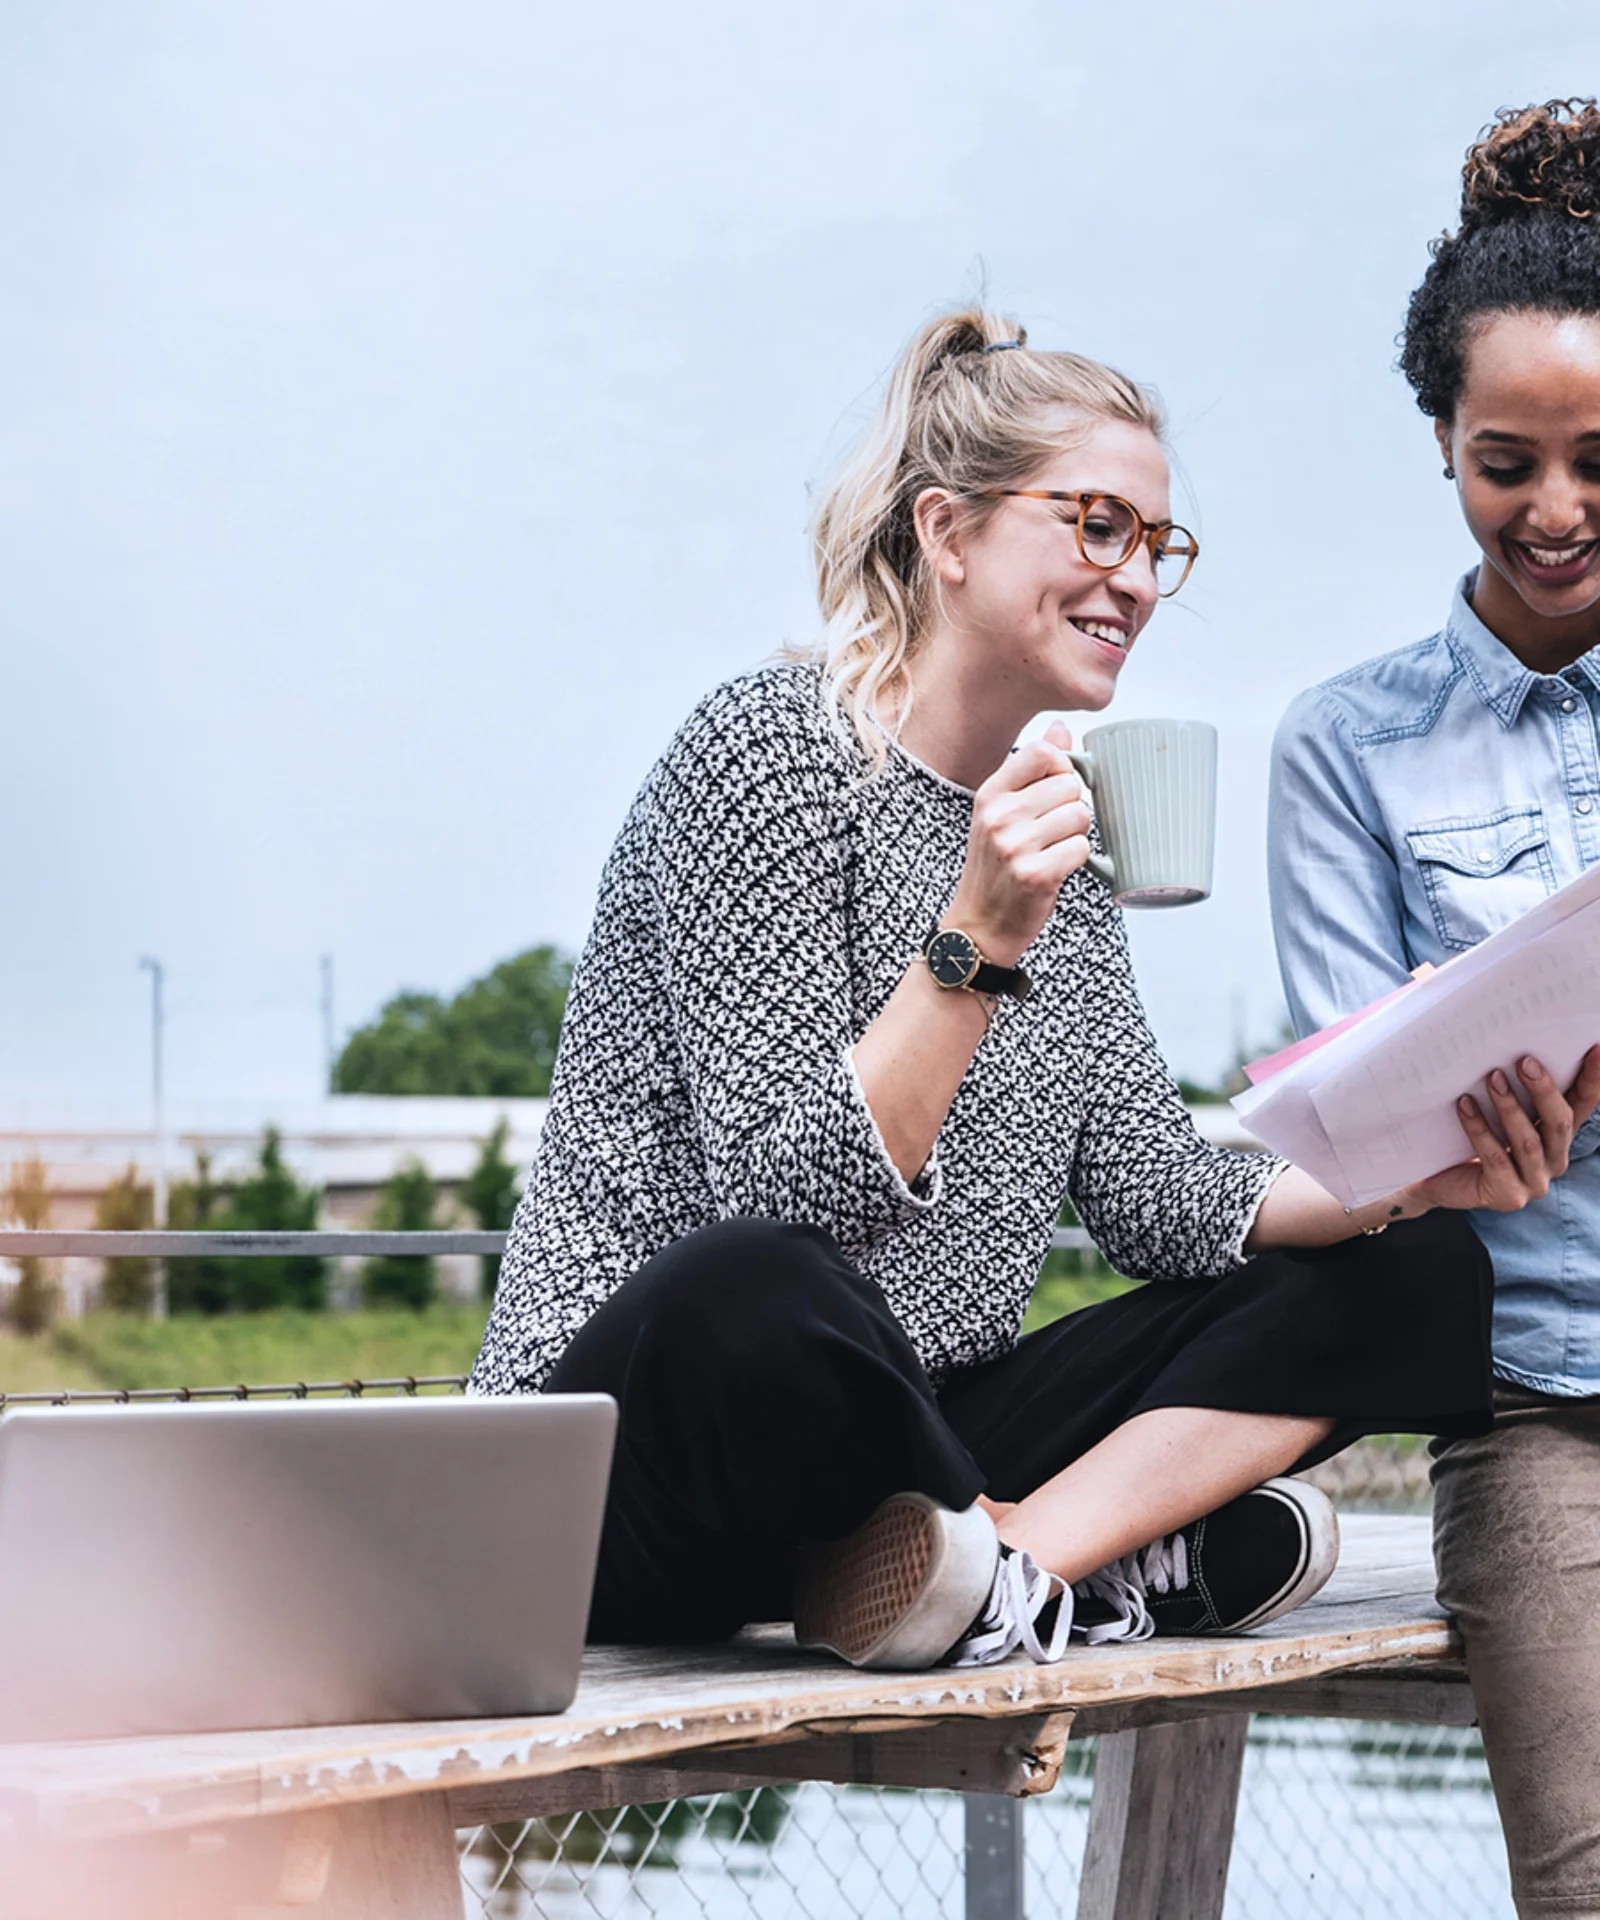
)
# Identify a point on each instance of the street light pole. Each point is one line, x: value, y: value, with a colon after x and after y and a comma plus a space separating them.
x: 158, y: 1116
x: 327, y: 1023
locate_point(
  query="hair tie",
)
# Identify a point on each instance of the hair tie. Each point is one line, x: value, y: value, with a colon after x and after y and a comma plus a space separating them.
x: 1000, y: 346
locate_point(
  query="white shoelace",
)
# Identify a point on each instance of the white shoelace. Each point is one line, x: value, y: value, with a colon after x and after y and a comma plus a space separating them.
x: 1162, y: 1567
x: 1022, y: 1590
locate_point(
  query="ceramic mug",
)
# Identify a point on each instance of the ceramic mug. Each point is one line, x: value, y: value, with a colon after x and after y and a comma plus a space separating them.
x: 1155, y: 801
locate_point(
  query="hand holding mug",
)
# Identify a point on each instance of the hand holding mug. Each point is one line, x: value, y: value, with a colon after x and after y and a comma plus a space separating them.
x: 1030, y: 830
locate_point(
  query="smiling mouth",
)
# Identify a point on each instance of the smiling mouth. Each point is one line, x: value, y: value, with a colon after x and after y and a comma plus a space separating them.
x: 1102, y: 630
x: 1567, y: 560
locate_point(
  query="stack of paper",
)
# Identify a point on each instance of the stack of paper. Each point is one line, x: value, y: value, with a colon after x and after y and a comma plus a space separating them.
x: 1369, y: 1105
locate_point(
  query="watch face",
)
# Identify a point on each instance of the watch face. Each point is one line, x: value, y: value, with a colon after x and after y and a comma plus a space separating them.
x: 952, y: 958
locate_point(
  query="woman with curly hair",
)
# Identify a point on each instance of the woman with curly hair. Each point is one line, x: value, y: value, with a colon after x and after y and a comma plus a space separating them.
x: 854, y: 1019
x: 1429, y: 797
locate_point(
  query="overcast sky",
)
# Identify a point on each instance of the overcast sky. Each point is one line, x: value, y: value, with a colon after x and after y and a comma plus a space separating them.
x: 408, y: 412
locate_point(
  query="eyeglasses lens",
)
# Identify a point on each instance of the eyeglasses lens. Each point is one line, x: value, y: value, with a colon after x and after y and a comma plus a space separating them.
x: 1175, y: 555
x: 1108, y: 530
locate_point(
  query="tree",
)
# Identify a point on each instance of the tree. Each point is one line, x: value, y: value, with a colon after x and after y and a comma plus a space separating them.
x: 404, y: 1206
x: 35, y: 1297
x: 199, y: 1284
x: 128, y: 1285
x: 489, y: 1194
x: 268, y: 1200
x: 496, y: 1037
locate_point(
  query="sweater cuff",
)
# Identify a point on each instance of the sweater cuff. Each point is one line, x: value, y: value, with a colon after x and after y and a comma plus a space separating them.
x: 1271, y: 1169
x: 910, y: 1197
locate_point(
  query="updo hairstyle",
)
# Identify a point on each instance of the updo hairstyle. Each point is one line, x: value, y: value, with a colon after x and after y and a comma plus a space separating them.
x: 1529, y: 242
x: 957, y: 417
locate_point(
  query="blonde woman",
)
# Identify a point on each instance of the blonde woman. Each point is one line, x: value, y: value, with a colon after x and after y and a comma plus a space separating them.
x: 853, y: 1020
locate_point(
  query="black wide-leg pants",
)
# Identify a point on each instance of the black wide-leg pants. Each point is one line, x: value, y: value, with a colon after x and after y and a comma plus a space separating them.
x: 769, y: 1398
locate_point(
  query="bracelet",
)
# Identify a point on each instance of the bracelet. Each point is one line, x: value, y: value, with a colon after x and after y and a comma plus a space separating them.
x: 1383, y: 1226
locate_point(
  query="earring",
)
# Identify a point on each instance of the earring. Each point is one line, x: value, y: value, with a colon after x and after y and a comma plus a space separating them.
x: 1449, y: 473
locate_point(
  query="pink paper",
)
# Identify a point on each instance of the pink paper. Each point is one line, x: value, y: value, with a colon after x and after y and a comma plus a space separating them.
x: 1258, y: 1070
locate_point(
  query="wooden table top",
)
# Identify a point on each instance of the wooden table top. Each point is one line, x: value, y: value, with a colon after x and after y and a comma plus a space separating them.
x: 648, y: 1705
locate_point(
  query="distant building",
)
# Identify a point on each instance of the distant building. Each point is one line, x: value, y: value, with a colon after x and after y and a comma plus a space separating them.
x: 346, y: 1144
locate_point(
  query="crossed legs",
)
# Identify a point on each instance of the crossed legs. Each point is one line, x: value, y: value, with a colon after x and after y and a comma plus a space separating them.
x: 1152, y: 1475
x: 770, y: 1400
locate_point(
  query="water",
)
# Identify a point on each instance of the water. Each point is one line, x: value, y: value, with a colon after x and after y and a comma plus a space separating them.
x: 1352, y: 1821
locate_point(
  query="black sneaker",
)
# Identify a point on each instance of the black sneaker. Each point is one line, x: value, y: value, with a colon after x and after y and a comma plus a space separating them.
x: 1250, y: 1561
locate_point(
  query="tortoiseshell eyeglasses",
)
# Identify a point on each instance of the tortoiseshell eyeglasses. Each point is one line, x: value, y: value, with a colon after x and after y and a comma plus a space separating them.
x: 1110, y: 532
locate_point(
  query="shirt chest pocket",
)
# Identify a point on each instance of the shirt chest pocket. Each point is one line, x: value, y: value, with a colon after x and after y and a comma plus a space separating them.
x: 1480, y: 875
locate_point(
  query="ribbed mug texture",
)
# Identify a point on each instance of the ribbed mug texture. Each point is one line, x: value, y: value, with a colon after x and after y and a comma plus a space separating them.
x: 1155, y: 798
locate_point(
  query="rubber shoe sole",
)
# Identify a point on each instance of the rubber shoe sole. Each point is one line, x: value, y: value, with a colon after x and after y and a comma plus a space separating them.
x: 901, y: 1590
x: 1319, y: 1531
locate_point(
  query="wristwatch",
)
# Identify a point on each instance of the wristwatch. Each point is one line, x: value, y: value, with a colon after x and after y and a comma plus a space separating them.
x: 955, y: 962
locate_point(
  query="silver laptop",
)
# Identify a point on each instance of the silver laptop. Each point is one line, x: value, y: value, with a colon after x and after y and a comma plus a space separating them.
x: 190, y: 1568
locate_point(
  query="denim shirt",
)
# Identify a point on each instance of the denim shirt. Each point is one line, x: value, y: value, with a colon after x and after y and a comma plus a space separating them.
x: 1420, y: 802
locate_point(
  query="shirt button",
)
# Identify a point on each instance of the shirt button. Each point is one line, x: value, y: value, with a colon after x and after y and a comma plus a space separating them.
x: 1586, y: 806
x: 1569, y: 705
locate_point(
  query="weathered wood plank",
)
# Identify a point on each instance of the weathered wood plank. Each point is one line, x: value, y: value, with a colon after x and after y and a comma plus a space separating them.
x: 1420, y: 1697
x: 676, y: 1707
x: 121, y: 1786
x: 1161, y: 1821
x: 1014, y: 1757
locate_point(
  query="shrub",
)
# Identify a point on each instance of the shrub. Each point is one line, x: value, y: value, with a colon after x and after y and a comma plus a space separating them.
x: 127, y: 1284
x: 203, y: 1283
x: 270, y: 1200
x: 489, y: 1194
x: 405, y: 1206
x: 35, y: 1297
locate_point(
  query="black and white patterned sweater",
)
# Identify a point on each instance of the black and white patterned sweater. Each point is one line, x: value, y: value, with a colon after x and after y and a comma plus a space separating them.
x: 762, y: 901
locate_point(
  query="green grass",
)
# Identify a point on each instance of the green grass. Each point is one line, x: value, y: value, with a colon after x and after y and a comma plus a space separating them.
x: 115, y: 1350
x: 260, y: 1349
x: 37, y: 1365
x: 1068, y: 1283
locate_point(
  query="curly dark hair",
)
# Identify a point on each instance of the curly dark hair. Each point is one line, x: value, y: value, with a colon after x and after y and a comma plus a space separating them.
x: 1529, y: 241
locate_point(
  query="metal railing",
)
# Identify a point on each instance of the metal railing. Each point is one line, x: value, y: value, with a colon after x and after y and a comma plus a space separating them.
x: 46, y: 1243
x: 155, y: 1243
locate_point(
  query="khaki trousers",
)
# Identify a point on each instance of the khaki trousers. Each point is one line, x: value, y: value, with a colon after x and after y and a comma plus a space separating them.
x: 1517, y: 1540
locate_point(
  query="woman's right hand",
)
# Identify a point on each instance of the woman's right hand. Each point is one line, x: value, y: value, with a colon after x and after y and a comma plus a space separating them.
x: 1516, y: 1160
x: 1030, y: 830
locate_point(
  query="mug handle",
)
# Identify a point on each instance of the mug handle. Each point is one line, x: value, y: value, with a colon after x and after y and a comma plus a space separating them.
x: 1099, y: 863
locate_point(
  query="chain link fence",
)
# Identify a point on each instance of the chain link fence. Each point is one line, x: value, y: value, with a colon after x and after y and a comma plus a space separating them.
x: 1337, y: 1820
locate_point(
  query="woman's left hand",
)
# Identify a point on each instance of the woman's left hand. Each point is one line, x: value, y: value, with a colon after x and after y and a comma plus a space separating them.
x: 1516, y: 1163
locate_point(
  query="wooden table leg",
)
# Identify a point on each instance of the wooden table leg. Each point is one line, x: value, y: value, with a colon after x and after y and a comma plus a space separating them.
x: 373, y: 1860
x: 1161, y: 1821
x: 376, y: 1860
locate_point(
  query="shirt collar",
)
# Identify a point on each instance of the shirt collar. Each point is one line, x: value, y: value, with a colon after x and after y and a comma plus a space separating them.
x: 1498, y: 677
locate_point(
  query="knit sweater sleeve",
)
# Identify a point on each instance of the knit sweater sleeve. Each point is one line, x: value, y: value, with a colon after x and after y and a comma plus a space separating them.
x: 747, y: 863
x: 1161, y: 1202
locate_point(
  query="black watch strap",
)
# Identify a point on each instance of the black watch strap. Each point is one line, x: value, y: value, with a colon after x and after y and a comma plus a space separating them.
x: 1008, y: 980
